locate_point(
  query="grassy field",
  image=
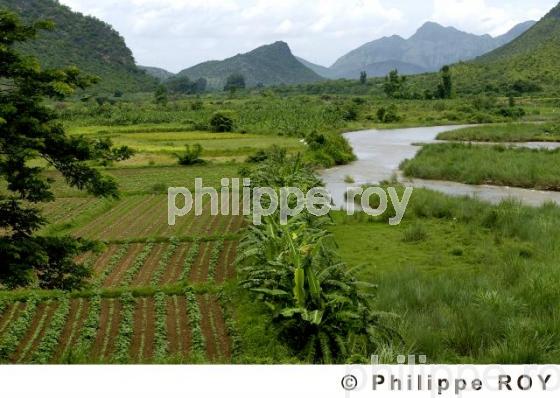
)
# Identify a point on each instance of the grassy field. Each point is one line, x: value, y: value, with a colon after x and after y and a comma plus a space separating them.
x: 459, y: 275
x: 511, y: 132
x: 159, y: 144
x: 471, y: 282
x: 495, y: 165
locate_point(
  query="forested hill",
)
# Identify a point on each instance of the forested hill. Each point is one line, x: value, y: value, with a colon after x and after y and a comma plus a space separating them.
x: 90, y: 44
x: 529, y: 63
x: 272, y: 64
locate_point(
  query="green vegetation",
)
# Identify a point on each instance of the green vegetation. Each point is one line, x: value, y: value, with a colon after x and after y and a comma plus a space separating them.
x: 84, y: 42
x: 528, y: 64
x: 272, y: 64
x: 316, y: 303
x: 29, y: 131
x: 495, y: 165
x: 473, y: 283
x: 458, y: 280
x: 511, y: 132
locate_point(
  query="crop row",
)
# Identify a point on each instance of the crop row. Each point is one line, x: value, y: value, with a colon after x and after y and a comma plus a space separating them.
x: 158, y: 264
x: 145, y: 216
x: 160, y: 329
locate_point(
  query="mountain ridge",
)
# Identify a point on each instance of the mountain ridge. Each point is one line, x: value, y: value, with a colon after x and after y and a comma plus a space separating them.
x: 86, y: 42
x: 429, y: 48
x: 271, y: 64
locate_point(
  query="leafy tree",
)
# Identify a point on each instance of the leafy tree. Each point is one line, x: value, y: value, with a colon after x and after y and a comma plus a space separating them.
x: 184, y: 85
x: 235, y: 81
x: 363, y: 77
x: 394, y: 85
x: 160, y: 95
x: 445, y: 88
x: 29, y: 131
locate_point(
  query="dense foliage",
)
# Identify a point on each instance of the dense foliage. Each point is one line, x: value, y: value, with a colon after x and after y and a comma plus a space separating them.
x: 28, y: 131
x: 83, y: 41
x: 319, y: 307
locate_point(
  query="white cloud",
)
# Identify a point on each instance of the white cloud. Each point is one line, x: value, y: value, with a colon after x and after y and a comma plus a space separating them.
x: 479, y: 16
x: 179, y: 33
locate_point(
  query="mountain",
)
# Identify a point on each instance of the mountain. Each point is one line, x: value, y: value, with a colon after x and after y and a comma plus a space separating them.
x: 272, y: 64
x: 321, y: 70
x: 529, y: 63
x: 159, y: 73
x: 431, y: 47
x: 86, y: 42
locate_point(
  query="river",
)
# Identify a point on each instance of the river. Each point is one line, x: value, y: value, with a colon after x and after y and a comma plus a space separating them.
x: 379, y: 153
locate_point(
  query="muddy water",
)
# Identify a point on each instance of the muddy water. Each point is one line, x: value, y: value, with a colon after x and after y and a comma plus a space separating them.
x: 380, y: 152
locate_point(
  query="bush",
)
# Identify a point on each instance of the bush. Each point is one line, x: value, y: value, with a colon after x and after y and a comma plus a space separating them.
x: 222, y: 121
x: 388, y: 115
x: 191, y: 155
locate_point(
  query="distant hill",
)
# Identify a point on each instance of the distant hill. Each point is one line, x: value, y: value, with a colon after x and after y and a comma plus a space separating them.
x: 272, y: 64
x: 528, y: 63
x: 90, y: 44
x: 431, y: 47
x: 321, y: 70
x: 159, y: 73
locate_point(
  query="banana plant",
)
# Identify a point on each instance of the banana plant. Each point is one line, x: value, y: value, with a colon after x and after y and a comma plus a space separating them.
x: 315, y: 300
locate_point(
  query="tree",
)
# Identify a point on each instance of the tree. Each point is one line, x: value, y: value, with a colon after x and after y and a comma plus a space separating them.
x: 394, y: 85
x: 160, y: 95
x: 30, y: 131
x: 363, y: 77
x: 184, y: 85
x: 234, y: 82
x: 445, y: 88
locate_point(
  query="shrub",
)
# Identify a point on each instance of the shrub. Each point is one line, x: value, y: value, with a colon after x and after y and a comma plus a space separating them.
x: 388, y: 115
x: 222, y: 121
x: 191, y: 155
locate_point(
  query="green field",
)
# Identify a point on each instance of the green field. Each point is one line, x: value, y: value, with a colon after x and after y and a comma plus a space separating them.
x: 495, y: 165
x: 470, y: 282
x: 511, y: 132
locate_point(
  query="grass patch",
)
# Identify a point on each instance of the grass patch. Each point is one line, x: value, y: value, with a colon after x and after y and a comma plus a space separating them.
x: 481, y: 288
x: 495, y: 165
x: 511, y: 132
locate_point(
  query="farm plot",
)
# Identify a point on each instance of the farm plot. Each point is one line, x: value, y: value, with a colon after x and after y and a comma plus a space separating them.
x: 164, y: 263
x: 145, y: 216
x: 65, y: 210
x: 126, y: 329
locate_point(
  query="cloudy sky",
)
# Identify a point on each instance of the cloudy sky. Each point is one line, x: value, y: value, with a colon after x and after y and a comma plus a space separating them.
x: 175, y: 34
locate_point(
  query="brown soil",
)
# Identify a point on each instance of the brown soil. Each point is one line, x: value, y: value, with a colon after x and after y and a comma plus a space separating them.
x: 100, y: 221
x: 139, y: 220
x: 142, y: 344
x: 175, y: 267
x: 10, y: 314
x: 116, y: 227
x: 221, y: 267
x: 223, y: 339
x: 144, y: 276
x: 118, y: 273
x: 232, y: 254
x: 72, y: 329
x: 199, y: 270
x: 45, y: 312
x: 178, y: 331
x: 103, y: 260
x: 108, y: 330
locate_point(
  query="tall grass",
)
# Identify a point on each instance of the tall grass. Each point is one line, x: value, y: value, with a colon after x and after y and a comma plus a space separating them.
x: 496, y: 165
x: 495, y: 300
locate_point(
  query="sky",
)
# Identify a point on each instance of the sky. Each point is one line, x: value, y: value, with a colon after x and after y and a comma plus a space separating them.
x: 176, y: 34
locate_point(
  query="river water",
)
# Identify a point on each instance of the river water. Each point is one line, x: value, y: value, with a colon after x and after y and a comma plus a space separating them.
x: 380, y: 152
